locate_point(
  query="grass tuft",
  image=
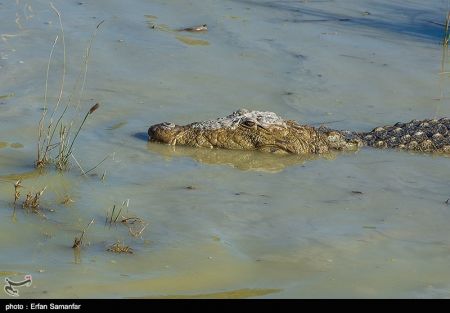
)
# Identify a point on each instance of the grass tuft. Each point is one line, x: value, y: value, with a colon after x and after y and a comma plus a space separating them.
x: 55, y: 145
x: 120, y: 247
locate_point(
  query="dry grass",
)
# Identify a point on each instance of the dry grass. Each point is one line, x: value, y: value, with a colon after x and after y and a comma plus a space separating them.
x: 135, y: 225
x: 64, y: 144
x: 113, y: 217
x: 67, y: 200
x: 120, y: 247
x: 446, y: 30
x: 55, y: 138
x: 32, y: 202
x: 17, y: 186
x: 78, y: 241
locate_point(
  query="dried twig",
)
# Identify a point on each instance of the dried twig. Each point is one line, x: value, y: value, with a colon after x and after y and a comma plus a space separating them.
x: 33, y: 202
x: 78, y: 242
x: 17, y: 186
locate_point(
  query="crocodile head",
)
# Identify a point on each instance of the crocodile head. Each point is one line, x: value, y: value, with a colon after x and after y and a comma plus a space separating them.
x: 254, y: 130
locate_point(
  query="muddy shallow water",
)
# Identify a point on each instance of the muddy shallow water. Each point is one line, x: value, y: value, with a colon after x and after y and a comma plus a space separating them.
x: 227, y: 223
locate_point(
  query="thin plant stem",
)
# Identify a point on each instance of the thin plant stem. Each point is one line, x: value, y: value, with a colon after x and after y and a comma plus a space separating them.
x: 99, y: 163
x: 61, y: 90
x: 80, y: 240
x: 75, y: 137
x: 86, y: 61
x: 41, y: 122
x: 82, y: 171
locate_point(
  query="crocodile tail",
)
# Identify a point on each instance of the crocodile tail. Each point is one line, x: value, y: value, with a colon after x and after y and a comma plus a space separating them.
x: 430, y: 135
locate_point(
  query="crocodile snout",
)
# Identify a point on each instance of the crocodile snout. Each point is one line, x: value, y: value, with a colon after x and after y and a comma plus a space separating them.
x: 162, y: 132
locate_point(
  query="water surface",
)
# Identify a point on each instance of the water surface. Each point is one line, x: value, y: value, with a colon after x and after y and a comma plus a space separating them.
x: 227, y: 223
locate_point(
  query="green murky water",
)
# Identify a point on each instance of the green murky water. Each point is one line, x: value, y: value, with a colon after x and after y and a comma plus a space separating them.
x: 226, y: 224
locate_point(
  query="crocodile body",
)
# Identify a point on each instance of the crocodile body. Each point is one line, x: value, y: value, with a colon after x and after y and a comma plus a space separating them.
x: 267, y: 132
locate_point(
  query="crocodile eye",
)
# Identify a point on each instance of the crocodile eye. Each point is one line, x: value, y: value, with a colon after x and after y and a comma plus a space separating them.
x: 168, y: 124
x: 249, y: 123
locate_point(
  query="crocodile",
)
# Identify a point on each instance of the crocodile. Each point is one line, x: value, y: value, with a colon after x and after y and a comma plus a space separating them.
x: 267, y: 132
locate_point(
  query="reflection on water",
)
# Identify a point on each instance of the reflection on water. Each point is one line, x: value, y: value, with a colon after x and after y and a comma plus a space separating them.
x: 373, y: 223
x: 243, y: 160
x: 14, y: 145
x: 192, y: 41
x: 25, y: 175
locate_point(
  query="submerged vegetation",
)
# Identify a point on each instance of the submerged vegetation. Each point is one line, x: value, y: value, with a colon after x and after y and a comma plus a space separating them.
x: 120, y: 247
x: 32, y: 204
x: 135, y: 225
x: 32, y: 201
